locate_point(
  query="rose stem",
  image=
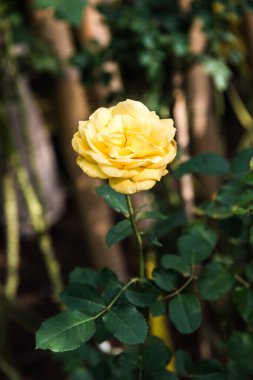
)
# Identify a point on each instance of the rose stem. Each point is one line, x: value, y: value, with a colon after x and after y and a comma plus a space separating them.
x: 137, y: 237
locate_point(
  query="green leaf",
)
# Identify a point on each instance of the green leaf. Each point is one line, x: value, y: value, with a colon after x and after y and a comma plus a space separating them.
x: 81, y: 374
x: 152, y: 214
x: 158, y: 308
x: 244, y: 303
x: 174, y: 220
x: 83, y: 298
x: 142, y: 294
x: 165, y: 279
x: 161, y: 374
x: 197, y: 244
x: 85, y: 355
x: 84, y: 275
x: 204, y: 163
x: 114, y: 199
x: 128, y: 362
x: 185, y: 313
x: 119, y: 232
x: 209, y: 369
x: 249, y: 271
x: 240, y: 348
x: 110, y: 283
x: 126, y: 324
x: 214, y: 281
x: 72, y: 11
x: 65, y: 331
x: 240, y: 164
x: 183, y: 362
x: 155, y: 354
x: 175, y: 262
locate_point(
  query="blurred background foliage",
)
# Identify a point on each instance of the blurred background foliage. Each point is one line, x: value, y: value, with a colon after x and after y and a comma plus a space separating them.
x: 59, y: 61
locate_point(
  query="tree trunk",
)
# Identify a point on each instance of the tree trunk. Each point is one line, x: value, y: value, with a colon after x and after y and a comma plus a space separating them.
x: 205, y: 132
x: 72, y: 106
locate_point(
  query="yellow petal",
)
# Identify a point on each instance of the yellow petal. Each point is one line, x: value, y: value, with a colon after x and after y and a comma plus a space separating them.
x: 145, y: 174
x: 90, y: 169
x: 168, y: 157
x: 112, y: 171
x: 126, y: 186
x: 101, y: 117
x: 130, y: 107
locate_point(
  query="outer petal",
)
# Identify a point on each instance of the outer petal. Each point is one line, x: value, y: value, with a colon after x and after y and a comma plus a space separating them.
x: 126, y: 186
x: 112, y: 171
x: 168, y: 156
x: 90, y: 169
x: 146, y: 174
x: 130, y: 107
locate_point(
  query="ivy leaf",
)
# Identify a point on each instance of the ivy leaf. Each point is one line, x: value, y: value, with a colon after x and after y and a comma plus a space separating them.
x: 185, y: 313
x: 142, y: 294
x: 65, y: 331
x: 214, y: 282
x: 197, y: 244
x: 204, y: 163
x: 165, y: 279
x: 244, y: 303
x: 114, y: 199
x: 240, y: 348
x: 176, y: 263
x: 119, y: 232
x: 83, y: 298
x: 126, y: 324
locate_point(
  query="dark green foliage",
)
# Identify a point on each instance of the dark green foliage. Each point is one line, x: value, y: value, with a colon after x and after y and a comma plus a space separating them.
x: 142, y: 294
x: 165, y: 279
x: 214, y: 282
x: 68, y: 10
x: 243, y: 298
x: 119, y: 232
x: 126, y: 324
x: 240, y: 348
x: 82, y: 297
x: 115, y: 200
x: 185, y: 313
x: 65, y: 331
x: 197, y: 243
x: 177, y: 263
x: 205, y: 163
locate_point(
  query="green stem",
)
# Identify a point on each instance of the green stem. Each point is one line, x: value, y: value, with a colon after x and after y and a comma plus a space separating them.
x: 12, y: 235
x: 137, y: 236
x: 179, y: 290
x: 8, y: 370
x: 108, y: 307
x: 39, y: 224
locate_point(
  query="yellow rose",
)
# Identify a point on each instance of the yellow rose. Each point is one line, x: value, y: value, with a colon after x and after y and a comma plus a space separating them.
x: 127, y: 144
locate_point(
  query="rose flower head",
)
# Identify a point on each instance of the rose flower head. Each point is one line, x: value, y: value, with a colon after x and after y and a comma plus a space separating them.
x: 126, y: 144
